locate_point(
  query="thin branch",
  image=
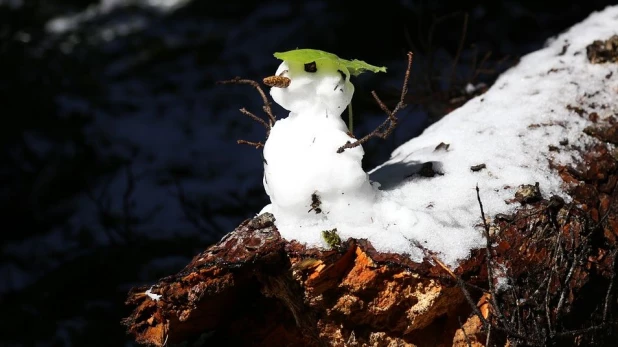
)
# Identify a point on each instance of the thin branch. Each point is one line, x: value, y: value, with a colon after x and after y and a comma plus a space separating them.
x: 608, y: 295
x: 548, y: 289
x: 486, y: 323
x: 256, y: 85
x: 565, y: 283
x: 266, y: 107
x: 389, y: 124
x: 256, y: 118
x: 537, y: 291
x: 257, y: 145
x: 490, y: 277
x: 517, y: 314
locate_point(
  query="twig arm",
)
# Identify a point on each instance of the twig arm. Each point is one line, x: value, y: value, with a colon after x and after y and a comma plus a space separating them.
x: 266, y: 107
x: 389, y: 124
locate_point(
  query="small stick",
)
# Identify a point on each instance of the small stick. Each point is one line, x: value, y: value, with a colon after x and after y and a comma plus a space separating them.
x: 257, y: 145
x: 608, y: 295
x: 389, y: 124
x: 254, y: 84
x: 490, y: 277
x: 267, y: 109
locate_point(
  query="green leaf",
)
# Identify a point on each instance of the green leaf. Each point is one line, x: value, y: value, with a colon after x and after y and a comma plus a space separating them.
x: 304, y: 56
x: 356, y: 67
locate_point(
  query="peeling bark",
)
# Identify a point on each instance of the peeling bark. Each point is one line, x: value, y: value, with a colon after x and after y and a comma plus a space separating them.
x: 253, y: 288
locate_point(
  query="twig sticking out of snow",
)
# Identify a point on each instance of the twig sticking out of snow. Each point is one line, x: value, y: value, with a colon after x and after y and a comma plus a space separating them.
x: 490, y: 277
x: 267, y: 109
x: 389, y: 124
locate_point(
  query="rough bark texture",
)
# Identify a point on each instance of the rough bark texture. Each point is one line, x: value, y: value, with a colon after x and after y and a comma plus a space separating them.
x: 253, y: 288
x: 548, y: 279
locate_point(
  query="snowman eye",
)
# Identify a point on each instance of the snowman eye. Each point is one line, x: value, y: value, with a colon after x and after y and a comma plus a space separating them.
x: 311, y: 67
x: 343, y: 75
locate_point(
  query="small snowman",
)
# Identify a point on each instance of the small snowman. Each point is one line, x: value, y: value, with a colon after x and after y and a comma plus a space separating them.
x: 304, y: 175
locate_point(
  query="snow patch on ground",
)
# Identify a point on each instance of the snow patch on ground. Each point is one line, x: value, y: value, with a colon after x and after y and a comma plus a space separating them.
x: 509, y: 129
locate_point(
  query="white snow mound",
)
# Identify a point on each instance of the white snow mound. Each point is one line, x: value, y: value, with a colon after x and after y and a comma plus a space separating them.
x: 509, y: 129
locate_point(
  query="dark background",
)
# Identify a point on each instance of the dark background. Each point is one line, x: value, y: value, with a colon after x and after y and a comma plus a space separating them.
x: 119, y: 155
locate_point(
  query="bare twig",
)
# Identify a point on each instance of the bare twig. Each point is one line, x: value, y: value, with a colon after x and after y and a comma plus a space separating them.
x: 266, y: 107
x: 257, y: 145
x: 486, y: 323
x: 547, y: 310
x: 517, y: 314
x: 565, y: 284
x: 565, y: 258
x: 608, y: 295
x: 490, y: 277
x: 256, y: 118
x: 389, y: 124
x: 464, y: 288
x: 256, y: 85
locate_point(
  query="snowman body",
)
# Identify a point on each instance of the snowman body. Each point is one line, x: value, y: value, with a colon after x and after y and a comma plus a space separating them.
x: 304, y: 175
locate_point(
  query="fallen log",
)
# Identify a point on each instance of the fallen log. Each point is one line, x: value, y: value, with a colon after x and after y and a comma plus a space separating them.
x: 546, y: 277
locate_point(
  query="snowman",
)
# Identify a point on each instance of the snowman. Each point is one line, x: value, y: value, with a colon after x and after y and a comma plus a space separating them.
x: 304, y: 176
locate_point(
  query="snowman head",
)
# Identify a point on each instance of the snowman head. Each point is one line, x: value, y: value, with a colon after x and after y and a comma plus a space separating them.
x: 316, y: 85
x: 314, y: 80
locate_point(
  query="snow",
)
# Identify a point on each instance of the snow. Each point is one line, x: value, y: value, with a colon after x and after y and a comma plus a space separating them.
x: 304, y: 146
x: 153, y: 296
x: 509, y: 129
